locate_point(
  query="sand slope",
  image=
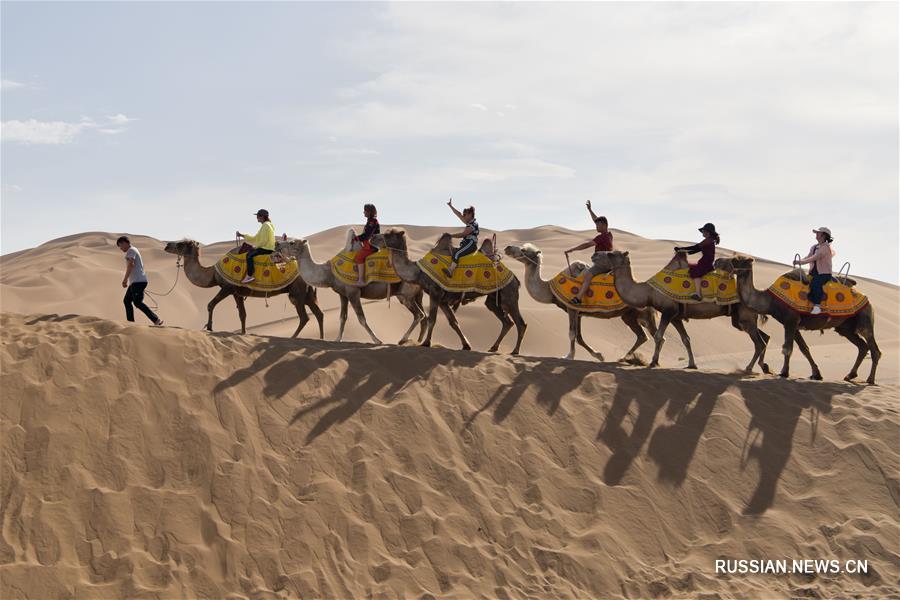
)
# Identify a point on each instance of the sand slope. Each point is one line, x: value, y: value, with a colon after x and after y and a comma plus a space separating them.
x: 172, y: 463
x: 82, y: 274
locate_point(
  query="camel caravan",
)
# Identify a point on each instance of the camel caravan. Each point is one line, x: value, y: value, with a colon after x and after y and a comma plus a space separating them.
x: 376, y: 265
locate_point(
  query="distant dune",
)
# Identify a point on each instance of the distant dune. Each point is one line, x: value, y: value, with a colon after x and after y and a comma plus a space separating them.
x: 143, y: 463
x: 82, y: 274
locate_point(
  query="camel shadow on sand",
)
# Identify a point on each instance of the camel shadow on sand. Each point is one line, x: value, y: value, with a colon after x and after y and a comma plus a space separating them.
x: 775, y: 407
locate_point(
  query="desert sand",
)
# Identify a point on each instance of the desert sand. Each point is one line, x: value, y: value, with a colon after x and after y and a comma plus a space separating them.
x: 164, y: 463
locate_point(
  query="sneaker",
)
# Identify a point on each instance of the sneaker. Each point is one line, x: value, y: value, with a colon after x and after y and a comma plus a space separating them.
x: 696, y: 297
x: 817, y: 310
x: 576, y: 301
x: 248, y: 279
x: 447, y: 272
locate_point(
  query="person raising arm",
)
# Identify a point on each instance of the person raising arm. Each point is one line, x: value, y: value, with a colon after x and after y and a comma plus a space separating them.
x: 602, y: 242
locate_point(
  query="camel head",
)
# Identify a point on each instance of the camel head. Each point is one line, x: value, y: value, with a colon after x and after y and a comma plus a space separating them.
x: 183, y: 248
x: 394, y: 238
x: 724, y: 264
x: 607, y: 261
x: 291, y: 247
x: 444, y: 244
x: 742, y: 263
x: 529, y: 253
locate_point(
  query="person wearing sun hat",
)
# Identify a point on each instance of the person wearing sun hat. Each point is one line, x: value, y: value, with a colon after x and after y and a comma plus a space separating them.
x: 263, y: 242
x: 708, y: 249
x: 820, y: 273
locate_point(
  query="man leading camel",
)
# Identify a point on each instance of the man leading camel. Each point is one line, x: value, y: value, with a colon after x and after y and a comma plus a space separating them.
x: 135, y: 282
x: 602, y: 242
x: 263, y: 242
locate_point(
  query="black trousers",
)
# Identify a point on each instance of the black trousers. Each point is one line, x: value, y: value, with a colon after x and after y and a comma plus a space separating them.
x: 134, y: 296
x: 255, y: 252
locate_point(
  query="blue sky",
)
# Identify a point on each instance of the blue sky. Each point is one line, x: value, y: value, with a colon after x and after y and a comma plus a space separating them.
x: 181, y: 119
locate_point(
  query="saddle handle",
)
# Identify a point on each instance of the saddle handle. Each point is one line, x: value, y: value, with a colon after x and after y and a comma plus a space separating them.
x: 797, y: 257
x: 844, y: 276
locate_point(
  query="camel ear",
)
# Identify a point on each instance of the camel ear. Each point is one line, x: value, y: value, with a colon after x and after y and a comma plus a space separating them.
x: 625, y: 253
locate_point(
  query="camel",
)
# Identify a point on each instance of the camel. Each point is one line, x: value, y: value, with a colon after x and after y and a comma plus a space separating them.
x: 640, y: 295
x: 504, y: 303
x: 859, y: 328
x: 300, y: 294
x: 539, y: 289
x: 320, y: 275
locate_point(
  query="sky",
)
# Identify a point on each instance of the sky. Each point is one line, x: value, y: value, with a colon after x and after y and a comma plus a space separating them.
x: 182, y: 119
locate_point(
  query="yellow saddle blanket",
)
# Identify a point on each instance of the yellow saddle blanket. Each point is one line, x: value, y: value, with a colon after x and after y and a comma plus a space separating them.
x: 840, y: 300
x: 378, y: 267
x: 601, y: 297
x: 474, y: 273
x: 269, y: 275
x: 715, y: 286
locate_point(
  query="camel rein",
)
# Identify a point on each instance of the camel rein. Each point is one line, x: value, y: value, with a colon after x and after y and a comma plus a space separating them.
x: 177, y: 273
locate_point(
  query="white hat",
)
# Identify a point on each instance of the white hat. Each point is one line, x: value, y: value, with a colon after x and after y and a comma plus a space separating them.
x: 824, y: 230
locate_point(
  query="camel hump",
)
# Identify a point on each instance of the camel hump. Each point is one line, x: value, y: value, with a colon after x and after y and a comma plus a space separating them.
x: 794, y: 275
x: 475, y: 273
x: 839, y: 300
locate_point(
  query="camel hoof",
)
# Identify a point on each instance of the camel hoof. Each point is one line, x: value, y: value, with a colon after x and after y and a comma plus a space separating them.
x: 816, y: 377
x: 568, y: 357
x: 692, y: 367
x: 491, y: 349
x: 468, y: 347
x: 783, y: 374
x: 765, y: 369
x: 871, y: 381
x: 514, y: 353
x: 652, y: 365
x: 426, y: 344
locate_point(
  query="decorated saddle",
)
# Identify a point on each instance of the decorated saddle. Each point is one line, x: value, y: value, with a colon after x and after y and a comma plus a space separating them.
x: 840, y: 300
x: 474, y: 273
x: 378, y: 267
x: 716, y: 286
x: 601, y: 297
x: 269, y: 275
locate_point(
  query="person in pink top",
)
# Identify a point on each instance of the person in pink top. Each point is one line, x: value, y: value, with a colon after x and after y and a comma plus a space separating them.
x: 820, y: 273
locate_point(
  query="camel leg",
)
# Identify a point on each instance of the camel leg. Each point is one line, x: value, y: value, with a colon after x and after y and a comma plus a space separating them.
x: 221, y: 295
x: 861, y: 346
x: 312, y: 302
x: 764, y: 338
x: 432, y: 319
x: 423, y: 322
x: 573, y: 332
x: 417, y: 313
x: 521, y: 326
x: 659, y: 337
x: 454, y: 324
x: 630, y: 318
x: 790, y: 330
x: 580, y: 339
x: 678, y: 324
x: 300, y: 307
x: 505, y: 322
x: 876, y: 354
x: 804, y: 349
x: 361, y: 316
x: 343, y: 317
x: 242, y: 312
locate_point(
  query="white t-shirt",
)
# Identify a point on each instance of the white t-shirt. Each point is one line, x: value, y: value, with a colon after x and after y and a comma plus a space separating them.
x: 137, y: 273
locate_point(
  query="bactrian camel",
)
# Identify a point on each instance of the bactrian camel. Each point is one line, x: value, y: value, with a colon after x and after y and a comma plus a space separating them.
x: 503, y: 303
x: 641, y: 295
x: 539, y: 289
x: 320, y: 275
x: 859, y: 328
x: 300, y: 294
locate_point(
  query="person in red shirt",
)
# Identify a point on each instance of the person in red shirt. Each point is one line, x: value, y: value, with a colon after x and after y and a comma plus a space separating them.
x: 707, y: 248
x: 602, y: 242
x: 365, y: 239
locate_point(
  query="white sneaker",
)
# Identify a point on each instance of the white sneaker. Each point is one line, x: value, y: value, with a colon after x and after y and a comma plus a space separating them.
x: 248, y: 279
x: 817, y: 310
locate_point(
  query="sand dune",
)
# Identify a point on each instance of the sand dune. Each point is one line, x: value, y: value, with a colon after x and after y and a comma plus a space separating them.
x: 172, y: 463
x: 81, y: 274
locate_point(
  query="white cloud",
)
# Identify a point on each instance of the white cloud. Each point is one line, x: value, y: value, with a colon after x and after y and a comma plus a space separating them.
x: 8, y: 84
x: 42, y: 132
x: 478, y: 106
x: 119, y: 119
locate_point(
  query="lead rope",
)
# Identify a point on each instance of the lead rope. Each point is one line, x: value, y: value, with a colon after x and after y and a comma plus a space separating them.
x: 153, y: 294
x: 797, y: 257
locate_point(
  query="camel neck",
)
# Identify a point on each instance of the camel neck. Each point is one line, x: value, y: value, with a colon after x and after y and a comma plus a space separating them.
x: 633, y: 293
x: 313, y: 273
x: 538, y: 288
x: 196, y: 273
x: 407, y: 269
x: 750, y: 296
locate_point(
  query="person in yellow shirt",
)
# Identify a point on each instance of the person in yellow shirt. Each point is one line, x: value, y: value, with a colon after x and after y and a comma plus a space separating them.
x: 263, y: 242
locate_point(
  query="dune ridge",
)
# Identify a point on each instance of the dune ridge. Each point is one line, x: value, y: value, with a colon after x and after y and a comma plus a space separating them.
x: 140, y: 462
